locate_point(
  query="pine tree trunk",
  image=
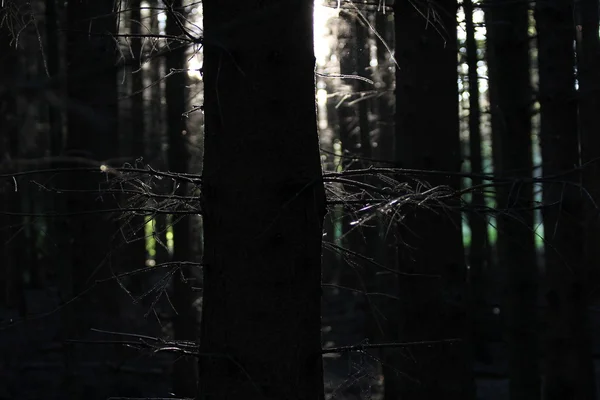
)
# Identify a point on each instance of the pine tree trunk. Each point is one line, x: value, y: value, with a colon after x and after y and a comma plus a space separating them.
x: 427, y: 138
x: 92, y: 134
x: 478, y: 248
x: 510, y: 102
x: 263, y: 202
x: 185, y: 321
x: 11, y: 295
x: 569, y: 367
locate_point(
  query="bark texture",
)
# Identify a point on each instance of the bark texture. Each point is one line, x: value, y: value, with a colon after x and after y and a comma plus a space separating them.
x: 263, y: 203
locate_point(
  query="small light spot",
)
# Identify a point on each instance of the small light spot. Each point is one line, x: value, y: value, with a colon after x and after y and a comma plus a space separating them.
x: 104, y: 168
x: 184, y: 132
x: 322, y: 97
x: 496, y: 310
x: 150, y: 263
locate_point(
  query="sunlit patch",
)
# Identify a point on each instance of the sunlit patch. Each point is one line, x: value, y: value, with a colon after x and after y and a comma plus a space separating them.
x: 321, y: 31
x: 322, y: 97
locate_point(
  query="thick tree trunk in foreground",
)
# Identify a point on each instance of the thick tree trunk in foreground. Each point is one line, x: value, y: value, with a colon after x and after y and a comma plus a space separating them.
x: 263, y: 202
x: 433, y: 308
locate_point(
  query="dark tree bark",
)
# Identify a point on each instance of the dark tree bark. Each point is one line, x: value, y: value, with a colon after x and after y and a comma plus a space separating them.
x: 52, y: 53
x: 92, y: 133
x: 431, y: 308
x: 386, y: 282
x: 369, y: 232
x: 569, y: 365
x: 346, y: 115
x: 510, y: 102
x: 579, y: 382
x: 185, y: 321
x: 385, y: 74
x: 264, y: 204
x: 478, y: 248
x: 11, y: 295
x: 137, y: 83
x: 363, y: 58
x: 134, y: 255
x: 156, y: 134
x: 588, y: 64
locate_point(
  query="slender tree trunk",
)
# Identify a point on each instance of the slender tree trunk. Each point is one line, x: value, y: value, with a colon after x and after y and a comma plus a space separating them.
x: 385, y: 73
x: 92, y: 133
x: 137, y: 82
x: 369, y: 232
x: 351, y: 138
x: 134, y: 254
x: 156, y: 135
x: 569, y: 368
x: 55, y: 117
x: 427, y: 138
x: 478, y: 254
x: 185, y: 321
x: 582, y: 280
x: 588, y: 62
x: 263, y: 203
x: 511, y: 99
x: 387, y: 283
x: 11, y: 295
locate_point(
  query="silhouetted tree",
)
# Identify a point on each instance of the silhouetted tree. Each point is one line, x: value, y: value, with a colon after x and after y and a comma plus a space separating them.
x: 10, y: 276
x: 92, y: 134
x: 431, y: 308
x: 263, y: 202
x: 508, y: 51
x: 478, y: 246
x: 185, y: 320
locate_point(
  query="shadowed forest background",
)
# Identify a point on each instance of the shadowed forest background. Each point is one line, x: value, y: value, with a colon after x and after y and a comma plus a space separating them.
x: 277, y: 199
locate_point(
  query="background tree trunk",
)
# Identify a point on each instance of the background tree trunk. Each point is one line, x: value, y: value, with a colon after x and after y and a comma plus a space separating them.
x: 92, y: 133
x: 478, y: 246
x: 508, y: 49
x: 569, y: 368
x: 185, y: 320
x: 584, y: 280
x: 11, y: 286
x: 432, y: 308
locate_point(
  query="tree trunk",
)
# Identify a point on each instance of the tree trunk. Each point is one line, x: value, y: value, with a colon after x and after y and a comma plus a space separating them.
x: 433, y: 308
x: 134, y: 252
x: 185, y: 321
x: 92, y: 133
x: 581, y: 282
x: 264, y: 204
x: 510, y: 102
x: 137, y: 149
x: 478, y: 254
x: 156, y: 135
x: 569, y: 367
x: 11, y: 285
x: 387, y: 282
